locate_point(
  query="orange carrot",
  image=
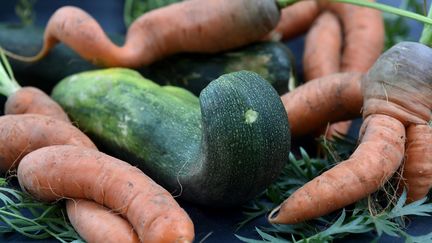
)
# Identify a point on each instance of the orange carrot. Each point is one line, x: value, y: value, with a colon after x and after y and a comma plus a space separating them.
x: 323, y: 46
x: 21, y: 134
x: 331, y: 98
x: 363, y: 35
x: 417, y: 170
x: 378, y: 156
x: 88, y: 217
x: 295, y: 20
x: 363, y: 43
x: 187, y: 26
x: 30, y: 100
x: 60, y: 171
x: 397, y: 93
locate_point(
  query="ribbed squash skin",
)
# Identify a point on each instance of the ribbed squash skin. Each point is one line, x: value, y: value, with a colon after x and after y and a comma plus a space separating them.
x: 219, y: 150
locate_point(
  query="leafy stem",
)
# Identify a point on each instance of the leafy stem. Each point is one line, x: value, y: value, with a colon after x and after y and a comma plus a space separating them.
x: 8, y: 84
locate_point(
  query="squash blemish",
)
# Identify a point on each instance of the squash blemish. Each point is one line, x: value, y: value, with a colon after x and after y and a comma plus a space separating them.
x: 250, y: 116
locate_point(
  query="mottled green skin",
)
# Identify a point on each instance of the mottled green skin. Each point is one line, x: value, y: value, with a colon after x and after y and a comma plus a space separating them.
x: 219, y: 157
x: 271, y: 60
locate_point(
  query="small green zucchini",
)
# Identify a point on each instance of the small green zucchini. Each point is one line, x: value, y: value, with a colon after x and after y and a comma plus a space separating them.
x: 220, y: 150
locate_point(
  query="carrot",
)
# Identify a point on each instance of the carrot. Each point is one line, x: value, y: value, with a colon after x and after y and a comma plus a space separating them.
x: 22, y: 100
x: 24, y: 133
x: 417, y: 170
x: 363, y: 35
x: 56, y: 172
x: 331, y: 98
x: 187, y: 26
x: 397, y: 93
x: 378, y: 156
x: 88, y: 217
x: 323, y: 46
x: 295, y: 20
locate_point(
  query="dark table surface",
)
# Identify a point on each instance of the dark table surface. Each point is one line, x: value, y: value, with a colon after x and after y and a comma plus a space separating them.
x: 211, y: 225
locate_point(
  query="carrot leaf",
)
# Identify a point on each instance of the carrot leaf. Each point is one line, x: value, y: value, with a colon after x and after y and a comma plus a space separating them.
x: 354, y: 219
x: 21, y: 213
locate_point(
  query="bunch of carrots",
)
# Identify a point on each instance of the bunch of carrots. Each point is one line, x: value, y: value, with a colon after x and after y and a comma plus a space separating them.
x: 349, y: 77
x: 116, y: 202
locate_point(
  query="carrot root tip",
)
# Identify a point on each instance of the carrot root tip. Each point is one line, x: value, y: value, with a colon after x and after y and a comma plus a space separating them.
x: 272, y: 218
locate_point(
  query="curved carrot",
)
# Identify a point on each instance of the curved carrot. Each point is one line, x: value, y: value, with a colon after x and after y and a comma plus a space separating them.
x: 60, y: 171
x: 88, y: 217
x: 314, y: 104
x: 375, y: 160
x: 417, y: 170
x: 187, y: 26
x: 295, y: 20
x: 25, y: 133
x: 323, y: 46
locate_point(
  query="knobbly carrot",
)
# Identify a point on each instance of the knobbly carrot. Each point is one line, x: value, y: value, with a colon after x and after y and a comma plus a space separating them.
x: 417, y: 170
x: 56, y: 172
x: 295, y: 20
x: 314, y: 104
x: 187, y: 26
x: 397, y: 93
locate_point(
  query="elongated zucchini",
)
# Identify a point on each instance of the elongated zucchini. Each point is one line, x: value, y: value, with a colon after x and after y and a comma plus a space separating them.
x: 271, y: 60
x: 219, y: 150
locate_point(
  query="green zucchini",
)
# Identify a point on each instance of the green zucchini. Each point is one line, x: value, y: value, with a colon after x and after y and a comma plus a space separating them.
x: 271, y: 60
x: 220, y: 149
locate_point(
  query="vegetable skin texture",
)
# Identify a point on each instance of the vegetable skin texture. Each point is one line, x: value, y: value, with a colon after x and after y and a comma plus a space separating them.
x: 417, y: 170
x: 157, y: 34
x: 363, y: 35
x: 295, y: 20
x: 205, y: 150
x: 31, y: 100
x: 27, y: 132
x: 88, y: 217
x: 61, y: 171
x: 397, y: 93
x: 323, y: 46
x: 332, y: 98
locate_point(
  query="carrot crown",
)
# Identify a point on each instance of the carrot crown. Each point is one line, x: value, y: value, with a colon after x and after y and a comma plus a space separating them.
x: 8, y: 84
